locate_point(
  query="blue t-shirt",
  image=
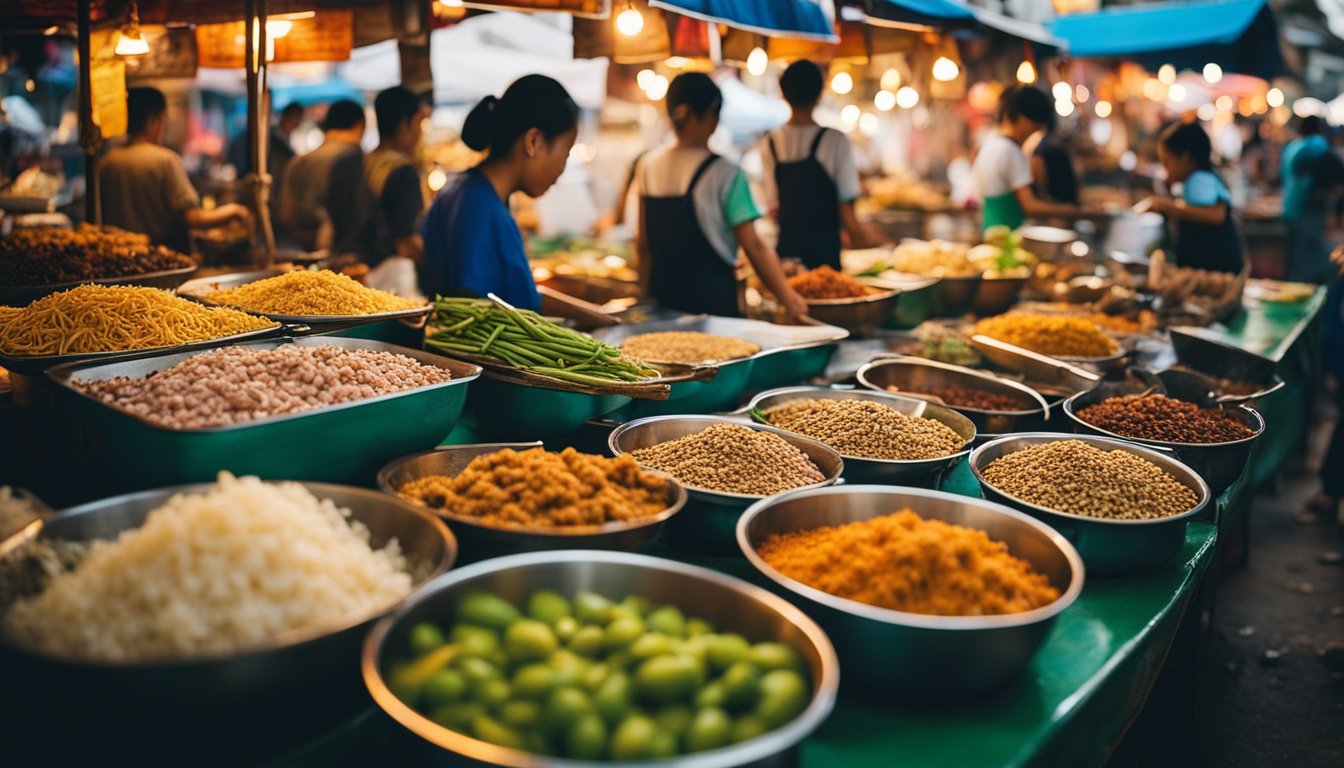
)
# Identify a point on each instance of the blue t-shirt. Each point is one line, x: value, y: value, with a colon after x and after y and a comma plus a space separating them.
x: 1296, y: 185
x: 1204, y: 188
x: 473, y: 246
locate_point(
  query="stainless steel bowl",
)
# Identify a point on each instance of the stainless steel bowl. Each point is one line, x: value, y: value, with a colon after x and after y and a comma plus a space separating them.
x: 997, y: 295
x: 1109, y: 547
x: 953, y: 296
x: 860, y: 316
x: 150, y: 711
x: 916, y: 655
x: 860, y: 469
x: 481, y: 540
x: 917, y: 375
x: 710, y: 517
x: 729, y: 603
x: 1220, y: 464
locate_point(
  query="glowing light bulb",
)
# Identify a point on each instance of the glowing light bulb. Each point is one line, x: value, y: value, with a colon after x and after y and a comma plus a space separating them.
x: 645, y: 79
x: 1064, y: 107
x: 278, y: 28
x: 868, y: 124
x: 1026, y: 73
x: 757, y: 61
x: 1176, y: 92
x: 1103, y: 109
x: 891, y: 80
x: 945, y: 69
x: 850, y: 114
x: 1167, y: 74
x: 130, y: 42
x: 1062, y: 91
x: 630, y: 22
x: 658, y: 89
x: 1212, y: 72
x: 907, y: 97
x: 884, y: 100
x: 1224, y: 103
x: 451, y: 3
x: 1274, y: 97
x: 1081, y: 93
x: 842, y: 83
x: 436, y: 179
x: 1206, y: 112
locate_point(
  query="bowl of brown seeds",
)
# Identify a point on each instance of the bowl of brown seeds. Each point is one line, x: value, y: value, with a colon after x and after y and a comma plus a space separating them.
x: 726, y: 466
x: 1123, y: 506
x: 884, y: 439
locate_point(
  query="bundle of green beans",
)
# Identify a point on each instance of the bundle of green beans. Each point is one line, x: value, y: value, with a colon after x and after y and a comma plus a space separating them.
x: 526, y: 340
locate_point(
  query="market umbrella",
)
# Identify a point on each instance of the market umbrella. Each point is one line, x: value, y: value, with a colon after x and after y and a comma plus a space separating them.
x: 789, y: 18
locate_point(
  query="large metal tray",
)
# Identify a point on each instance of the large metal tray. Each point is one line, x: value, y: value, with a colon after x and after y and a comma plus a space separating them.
x: 201, y: 288
x: 21, y: 295
x: 771, y: 338
x: 40, y: 364
x: 348, y: 442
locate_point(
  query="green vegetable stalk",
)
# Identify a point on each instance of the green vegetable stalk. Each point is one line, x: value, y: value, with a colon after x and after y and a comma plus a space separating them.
x: 525, y: 340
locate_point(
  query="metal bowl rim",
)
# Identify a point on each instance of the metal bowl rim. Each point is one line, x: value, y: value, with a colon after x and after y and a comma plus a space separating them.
x: 287, y: 640
x: 1023, y: 389
x: 710, y: 421
x: 1154, y: 457
x: 918, y: 620
x: 824, y: 690
x: 679, y: 499
x: 962, y: 450
x: 881, y: 294
x: 1255, y: 416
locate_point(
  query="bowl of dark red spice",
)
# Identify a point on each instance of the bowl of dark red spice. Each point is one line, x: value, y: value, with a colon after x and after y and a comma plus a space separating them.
x: 1215, y: 442
x: 994, y: 405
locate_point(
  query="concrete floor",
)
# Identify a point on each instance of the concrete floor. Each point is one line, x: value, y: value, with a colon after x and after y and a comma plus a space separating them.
x: 1272, y: 678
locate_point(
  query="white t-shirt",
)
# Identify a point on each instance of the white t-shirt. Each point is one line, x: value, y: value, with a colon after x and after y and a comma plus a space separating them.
x: 1001, y: 167
x: 722, y: 197
x: 793, y: 142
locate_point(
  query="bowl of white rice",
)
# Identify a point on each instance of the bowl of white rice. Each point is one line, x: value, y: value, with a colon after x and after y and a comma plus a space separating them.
x: 228, y: 614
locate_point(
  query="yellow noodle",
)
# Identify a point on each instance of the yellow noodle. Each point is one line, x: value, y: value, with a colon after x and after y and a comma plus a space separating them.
x: 312, y: 293
x: 97, y: 318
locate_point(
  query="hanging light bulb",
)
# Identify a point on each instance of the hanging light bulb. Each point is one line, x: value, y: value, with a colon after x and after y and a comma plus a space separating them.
x: 131, y: 42
x: 1166, y: 74
x: 658, y: 89
x: 1274, y: 97
x: 757, y: 61
x: 884, y: 100
x: 842, y: 83
x: 645, y: 79
x: 630, y: 22
x: 1064, y: 107
x: 907, y: 97
x: 1176, y: 93
x: 1061, y: 91
x: 850, y: 114
x: 891, y: 80
x: 1026, y: 73
x: 452, y: 3
x: 1213, y: 73
x: 945, y: 69
x: 1206, y: 112
x: 1081, y: 93
x: 1103, y: 109
x: 278, y: 28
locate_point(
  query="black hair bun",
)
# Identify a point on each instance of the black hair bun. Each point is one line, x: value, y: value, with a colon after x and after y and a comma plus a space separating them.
x: 480, y: 124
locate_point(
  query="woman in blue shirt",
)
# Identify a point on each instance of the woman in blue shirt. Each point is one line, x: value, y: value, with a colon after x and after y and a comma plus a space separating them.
x: 1206, y: 233
x: 472, y: 244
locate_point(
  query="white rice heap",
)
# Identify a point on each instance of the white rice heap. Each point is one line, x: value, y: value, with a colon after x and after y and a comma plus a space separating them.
x: 225, y: 570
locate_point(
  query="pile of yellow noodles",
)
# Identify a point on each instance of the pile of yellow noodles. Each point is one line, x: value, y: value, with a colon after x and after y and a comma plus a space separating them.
x: 312, y: 293
x: 115, y: 318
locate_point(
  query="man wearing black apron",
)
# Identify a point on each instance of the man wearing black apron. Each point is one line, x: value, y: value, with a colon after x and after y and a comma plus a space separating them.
x: 812, y: 174
x: 696, y: 209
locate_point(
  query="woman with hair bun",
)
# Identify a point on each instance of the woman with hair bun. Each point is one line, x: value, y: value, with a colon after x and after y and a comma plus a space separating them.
x: 472, y: 244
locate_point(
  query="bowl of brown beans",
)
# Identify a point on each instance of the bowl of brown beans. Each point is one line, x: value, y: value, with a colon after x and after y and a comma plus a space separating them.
x: 726, y: 466
x: 994, y: 405
x: 1214, y: 442
x: 504, y: 498
x: 883, y: 438
x: 931, y: 594
x: 1124, y: 506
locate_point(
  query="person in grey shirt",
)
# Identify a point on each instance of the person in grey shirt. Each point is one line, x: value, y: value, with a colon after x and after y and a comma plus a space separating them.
x: 314, y: 206
x: 144, y: 186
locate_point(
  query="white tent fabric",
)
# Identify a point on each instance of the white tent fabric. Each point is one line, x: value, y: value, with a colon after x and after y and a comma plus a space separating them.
x: 746, y: 111
x: 481, y: 56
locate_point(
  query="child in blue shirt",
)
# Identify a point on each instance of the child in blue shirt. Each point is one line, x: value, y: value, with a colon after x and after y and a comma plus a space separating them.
x: 1206, y: 232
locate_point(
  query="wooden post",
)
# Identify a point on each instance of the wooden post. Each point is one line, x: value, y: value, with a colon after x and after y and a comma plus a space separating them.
x: 258, y: 122
x: 90, y: 135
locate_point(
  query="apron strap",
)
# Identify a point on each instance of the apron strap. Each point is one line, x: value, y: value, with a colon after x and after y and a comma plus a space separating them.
x: 701, y: 171
x: 816, y: 142
x: 770, y: 141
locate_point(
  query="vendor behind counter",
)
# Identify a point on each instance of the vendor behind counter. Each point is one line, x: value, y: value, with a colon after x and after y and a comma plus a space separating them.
x: 1206, y: 230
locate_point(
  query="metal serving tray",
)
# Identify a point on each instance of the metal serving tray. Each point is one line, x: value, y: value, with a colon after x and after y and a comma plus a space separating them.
x: 21, y: 295
x: 341, y: 443
x: 39, y: 364
x: 201, y: 288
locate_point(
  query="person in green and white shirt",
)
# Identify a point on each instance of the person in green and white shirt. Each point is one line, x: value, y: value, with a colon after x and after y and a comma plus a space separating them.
x: 1002, y: 170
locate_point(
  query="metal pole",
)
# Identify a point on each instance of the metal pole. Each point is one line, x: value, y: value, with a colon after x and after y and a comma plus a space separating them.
x: 258, y: 122
x: 90, y: 135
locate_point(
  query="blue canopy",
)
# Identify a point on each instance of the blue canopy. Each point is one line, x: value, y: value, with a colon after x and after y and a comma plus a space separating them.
x: 788, y: 18
x: 956, y: 14
x: 1239, y: 35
